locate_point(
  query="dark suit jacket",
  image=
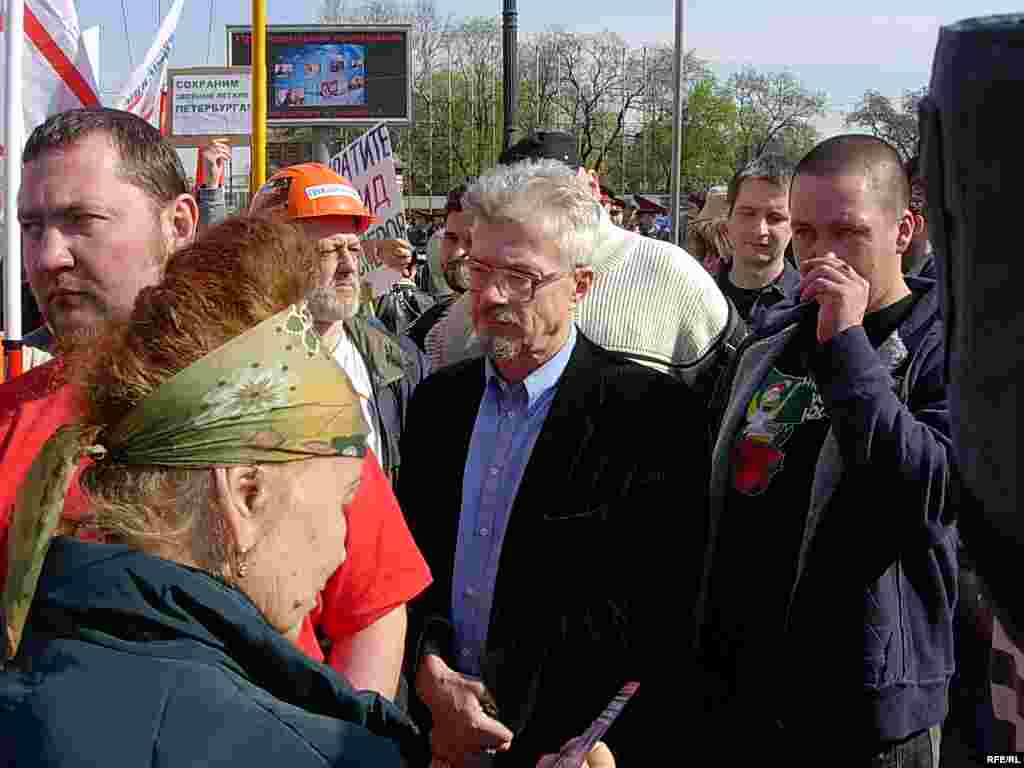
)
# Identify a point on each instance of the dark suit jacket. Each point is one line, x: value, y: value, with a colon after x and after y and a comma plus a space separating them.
x: 621, y: 460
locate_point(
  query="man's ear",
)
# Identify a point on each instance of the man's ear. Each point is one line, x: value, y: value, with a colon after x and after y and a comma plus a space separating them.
x: 907, y: 226
x: 919, y: 225
x: 237, y: 493
x: 181, y: 221
x: 583, y: 278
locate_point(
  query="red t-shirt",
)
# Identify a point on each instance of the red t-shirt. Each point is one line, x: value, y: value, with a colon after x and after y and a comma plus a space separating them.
x: 384, y: 568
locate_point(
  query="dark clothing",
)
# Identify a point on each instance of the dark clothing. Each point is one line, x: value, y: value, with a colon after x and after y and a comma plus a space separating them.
x: 130, y: 660
x: 971, y: 164
x: 575, y: 602
x: 751, y: 303
x: 421, y: 326
x: 971, y: 731
x: 855, y: 629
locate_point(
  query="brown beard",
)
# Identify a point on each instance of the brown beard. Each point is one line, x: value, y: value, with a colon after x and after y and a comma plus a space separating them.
x: 79, y: 338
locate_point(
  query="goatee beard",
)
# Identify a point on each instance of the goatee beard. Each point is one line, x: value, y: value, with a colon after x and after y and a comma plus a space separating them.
x: 501, y: 348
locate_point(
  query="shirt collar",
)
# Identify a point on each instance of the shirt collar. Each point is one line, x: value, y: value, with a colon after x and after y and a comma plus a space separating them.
x: 541, y: 380
x: 782, y: 286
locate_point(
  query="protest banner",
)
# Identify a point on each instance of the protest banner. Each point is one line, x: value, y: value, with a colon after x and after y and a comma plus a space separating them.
x: 210, y: 102
x: 369, y: 163
x: 140, y: 95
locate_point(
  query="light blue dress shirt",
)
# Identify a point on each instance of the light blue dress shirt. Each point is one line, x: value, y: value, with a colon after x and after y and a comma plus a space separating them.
x: 507, y: 426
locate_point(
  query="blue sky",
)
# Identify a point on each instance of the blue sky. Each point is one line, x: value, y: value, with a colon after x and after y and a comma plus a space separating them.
x: 839, y: 48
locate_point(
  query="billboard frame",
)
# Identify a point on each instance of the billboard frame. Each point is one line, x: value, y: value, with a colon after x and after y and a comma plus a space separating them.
x: 405, y: 121
x: 182, y: 140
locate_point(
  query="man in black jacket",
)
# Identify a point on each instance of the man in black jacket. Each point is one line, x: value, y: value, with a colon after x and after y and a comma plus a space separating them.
x: 534, y: 456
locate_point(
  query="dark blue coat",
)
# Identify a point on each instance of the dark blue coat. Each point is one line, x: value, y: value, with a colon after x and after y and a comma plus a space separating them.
x: 866, y: 640
x: 130, y: 660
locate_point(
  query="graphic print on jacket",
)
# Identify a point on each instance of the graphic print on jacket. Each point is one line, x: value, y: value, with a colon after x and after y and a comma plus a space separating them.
x: 779, y: 407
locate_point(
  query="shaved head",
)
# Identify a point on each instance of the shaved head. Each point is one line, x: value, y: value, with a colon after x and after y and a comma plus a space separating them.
x: 859, y: 155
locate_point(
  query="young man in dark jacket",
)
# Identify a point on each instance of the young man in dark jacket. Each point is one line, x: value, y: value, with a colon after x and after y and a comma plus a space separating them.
x: 825, y: 622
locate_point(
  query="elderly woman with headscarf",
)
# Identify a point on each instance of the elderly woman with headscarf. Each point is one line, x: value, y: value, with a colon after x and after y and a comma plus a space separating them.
x: 222, y: 437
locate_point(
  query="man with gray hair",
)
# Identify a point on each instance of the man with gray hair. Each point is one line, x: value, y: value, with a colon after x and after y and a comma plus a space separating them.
x: 531, y: 457
x: 648, y: 300
x: 759, y: 230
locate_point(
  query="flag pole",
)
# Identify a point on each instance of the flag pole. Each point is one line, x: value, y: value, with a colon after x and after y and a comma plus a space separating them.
x: 15, y: 31
x: 258, y: 158
x: 679, y: 115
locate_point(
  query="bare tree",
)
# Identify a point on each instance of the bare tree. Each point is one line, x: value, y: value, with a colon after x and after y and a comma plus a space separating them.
x: 879, y: 115
x: 599, y: 87
x: 768, y: 107
x: 539, y: 80
x: 428, y: 39
x: 477, y: 62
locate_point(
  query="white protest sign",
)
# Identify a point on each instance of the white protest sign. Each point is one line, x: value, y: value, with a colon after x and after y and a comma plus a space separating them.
x: 369, y: 163
x: 210, y: 102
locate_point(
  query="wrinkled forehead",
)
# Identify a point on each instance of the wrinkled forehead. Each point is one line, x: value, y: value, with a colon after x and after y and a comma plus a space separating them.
x: 339, y: 240
x: 514, y: 244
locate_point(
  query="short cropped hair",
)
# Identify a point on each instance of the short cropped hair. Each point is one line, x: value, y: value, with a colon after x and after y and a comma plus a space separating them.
x: 454, y: 202
x: 774, y: 169
x: 541, y: 194
x: 147, y: 161
x: 852, y: 154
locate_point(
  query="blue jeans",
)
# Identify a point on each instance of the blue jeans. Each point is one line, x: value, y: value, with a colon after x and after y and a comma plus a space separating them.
x: 918, y: 751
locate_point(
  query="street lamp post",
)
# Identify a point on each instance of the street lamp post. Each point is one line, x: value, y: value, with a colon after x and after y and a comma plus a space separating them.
x: 510, y: 69
x: 680, y: 110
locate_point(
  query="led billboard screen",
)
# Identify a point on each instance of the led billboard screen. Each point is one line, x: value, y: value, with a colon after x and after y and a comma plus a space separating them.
x: 332, y: 75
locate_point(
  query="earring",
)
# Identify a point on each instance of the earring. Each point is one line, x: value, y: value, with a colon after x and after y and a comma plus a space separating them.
x: 242, y: 565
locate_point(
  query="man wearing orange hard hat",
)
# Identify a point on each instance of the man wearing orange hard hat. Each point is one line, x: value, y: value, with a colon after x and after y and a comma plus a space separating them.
x: 362, y: 612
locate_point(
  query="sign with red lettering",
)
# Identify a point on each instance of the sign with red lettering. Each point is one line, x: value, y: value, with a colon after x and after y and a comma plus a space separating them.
x: 369, y: 163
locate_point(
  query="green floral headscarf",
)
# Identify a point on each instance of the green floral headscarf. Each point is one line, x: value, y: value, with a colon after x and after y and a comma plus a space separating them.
x: 271, y: 394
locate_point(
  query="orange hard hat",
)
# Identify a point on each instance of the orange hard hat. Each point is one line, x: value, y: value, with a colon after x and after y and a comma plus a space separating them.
x: 311, y: 190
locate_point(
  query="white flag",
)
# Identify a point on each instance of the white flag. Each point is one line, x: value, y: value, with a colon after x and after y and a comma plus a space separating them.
x: 141, y: 94
x: 56, y: 76
x: 57, y: 73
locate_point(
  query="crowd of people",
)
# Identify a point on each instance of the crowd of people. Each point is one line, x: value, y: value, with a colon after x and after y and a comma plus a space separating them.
x: 249, y: 517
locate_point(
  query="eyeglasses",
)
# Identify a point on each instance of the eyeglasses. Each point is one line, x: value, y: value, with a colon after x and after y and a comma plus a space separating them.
x: 516, y: 287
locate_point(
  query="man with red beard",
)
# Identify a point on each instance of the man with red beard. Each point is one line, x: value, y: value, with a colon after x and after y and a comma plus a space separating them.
x: 103, y: 203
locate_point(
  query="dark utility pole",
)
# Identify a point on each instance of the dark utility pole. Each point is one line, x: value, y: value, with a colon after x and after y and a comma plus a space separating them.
x: 510, y: 69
